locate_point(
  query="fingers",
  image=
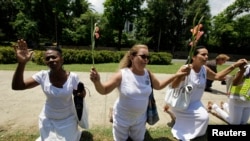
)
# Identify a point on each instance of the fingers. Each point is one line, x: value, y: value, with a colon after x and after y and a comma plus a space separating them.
x: 94, y: 76
x: 21, y: 44
x: 82, y: 94
x: 241, y: 62
x: 15, y: 47
x: 186, y: 68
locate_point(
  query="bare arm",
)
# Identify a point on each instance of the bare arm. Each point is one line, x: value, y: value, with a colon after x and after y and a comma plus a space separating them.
x: 158, y: 85
x: 18, y: 82
x: 220, y: 75
x: 180, y: 75
x: 109, y: 85
x: 239, y: 76
x: 23, y: 56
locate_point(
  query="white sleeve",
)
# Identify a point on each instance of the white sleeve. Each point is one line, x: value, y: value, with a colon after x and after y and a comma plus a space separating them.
x: 39, y: 77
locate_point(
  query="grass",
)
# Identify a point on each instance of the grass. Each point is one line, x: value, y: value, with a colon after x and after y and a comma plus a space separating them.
x: 108, y: 67
x: 94, y: 134
x: 98, y: 134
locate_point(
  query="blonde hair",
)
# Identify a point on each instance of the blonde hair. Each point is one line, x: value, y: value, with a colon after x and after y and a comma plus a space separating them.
x: 126, y: 60
x: 222, y: 57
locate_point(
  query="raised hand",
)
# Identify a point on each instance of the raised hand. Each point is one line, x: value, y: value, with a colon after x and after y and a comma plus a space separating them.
x: 23, y: 54
x: 240, y: 63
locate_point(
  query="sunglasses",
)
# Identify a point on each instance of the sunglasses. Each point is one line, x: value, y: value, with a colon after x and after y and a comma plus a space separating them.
x: 144, y: 56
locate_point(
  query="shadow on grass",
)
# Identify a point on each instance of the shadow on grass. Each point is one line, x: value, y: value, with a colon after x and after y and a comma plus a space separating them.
x: 148, y: 137
x: 86, y: 136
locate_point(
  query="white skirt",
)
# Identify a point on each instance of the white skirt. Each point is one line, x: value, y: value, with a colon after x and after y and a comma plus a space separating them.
x: 58, y: 130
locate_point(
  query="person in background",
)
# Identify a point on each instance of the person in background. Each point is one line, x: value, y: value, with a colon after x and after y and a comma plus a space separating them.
x: 57, y: 120
x: 193, y: 121
x: 133, y: 83
x: 235, y: 111
x: 212, y: 64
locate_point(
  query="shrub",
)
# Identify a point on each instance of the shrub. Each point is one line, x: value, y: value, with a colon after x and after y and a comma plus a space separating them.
x: 79, y: 56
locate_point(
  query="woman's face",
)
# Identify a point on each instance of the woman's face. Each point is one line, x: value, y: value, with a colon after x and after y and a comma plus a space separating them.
x: 141, y: 59
x: 202, y: 57
x: 53, y: 59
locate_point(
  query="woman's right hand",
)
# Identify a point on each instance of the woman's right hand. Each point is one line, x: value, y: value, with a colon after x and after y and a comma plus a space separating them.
x: 184, y: 70
x: 23, y: 54
x: 94, y: 75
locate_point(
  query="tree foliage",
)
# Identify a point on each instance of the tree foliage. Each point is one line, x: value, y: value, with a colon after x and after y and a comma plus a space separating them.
x: 161, y: 24
x: 231, y: 27
x: 120, y: 11
x: 168, y: 23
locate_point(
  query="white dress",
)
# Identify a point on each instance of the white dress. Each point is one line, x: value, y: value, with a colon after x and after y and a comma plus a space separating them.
x: 57, y: 120
x: 193, y: 121
x: 131, y: 105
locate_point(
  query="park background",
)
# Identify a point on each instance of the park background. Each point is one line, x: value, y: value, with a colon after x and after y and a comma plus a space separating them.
x: 163, y: 25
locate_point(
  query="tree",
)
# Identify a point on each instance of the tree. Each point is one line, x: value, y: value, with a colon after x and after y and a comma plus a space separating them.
x: 227, y: 28
x: 169, y: 22
x: 242, y: 27
x: 8, y: 13
x: 78, y: 27
x: 165, y: 23
x: 120, y: 11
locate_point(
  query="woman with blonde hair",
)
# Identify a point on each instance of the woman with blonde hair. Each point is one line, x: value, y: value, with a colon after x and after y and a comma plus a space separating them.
x: 133, y: 83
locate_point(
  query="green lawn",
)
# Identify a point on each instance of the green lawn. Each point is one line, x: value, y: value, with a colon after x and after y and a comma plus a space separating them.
x: 108, y: 67
x: 99, y: 134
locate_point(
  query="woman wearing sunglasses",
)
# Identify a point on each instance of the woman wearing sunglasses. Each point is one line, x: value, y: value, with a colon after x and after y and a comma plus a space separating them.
x: 134, y: 86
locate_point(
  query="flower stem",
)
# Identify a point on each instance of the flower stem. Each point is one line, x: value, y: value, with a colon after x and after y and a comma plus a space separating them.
x: 92, y: 42
x: 194, y: 34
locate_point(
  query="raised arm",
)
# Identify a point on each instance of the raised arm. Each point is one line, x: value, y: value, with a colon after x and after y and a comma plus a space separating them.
x: 238, y: 79
x: 160, y: 84
x: 109, y: 85
x: 181, y: 73
x: 23, y: 55
x: 220, y: 75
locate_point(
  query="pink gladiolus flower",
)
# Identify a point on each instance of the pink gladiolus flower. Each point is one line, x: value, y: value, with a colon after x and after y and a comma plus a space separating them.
x: 196, y: 29
x: 197, y: 37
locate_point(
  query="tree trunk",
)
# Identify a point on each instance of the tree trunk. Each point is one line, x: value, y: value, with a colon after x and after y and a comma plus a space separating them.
x: 119, y: 40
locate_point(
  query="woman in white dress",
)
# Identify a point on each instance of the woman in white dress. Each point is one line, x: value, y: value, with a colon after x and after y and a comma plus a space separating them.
x: 134, y: 86
x: 237, y: 110
x: 57, y: 120
x: 193, y: 121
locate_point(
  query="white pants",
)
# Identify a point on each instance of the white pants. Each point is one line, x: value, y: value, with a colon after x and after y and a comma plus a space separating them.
x: 235, y: 111
x: 136, y: 132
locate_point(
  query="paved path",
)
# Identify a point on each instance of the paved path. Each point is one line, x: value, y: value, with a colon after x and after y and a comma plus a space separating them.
x: 20, y: 109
